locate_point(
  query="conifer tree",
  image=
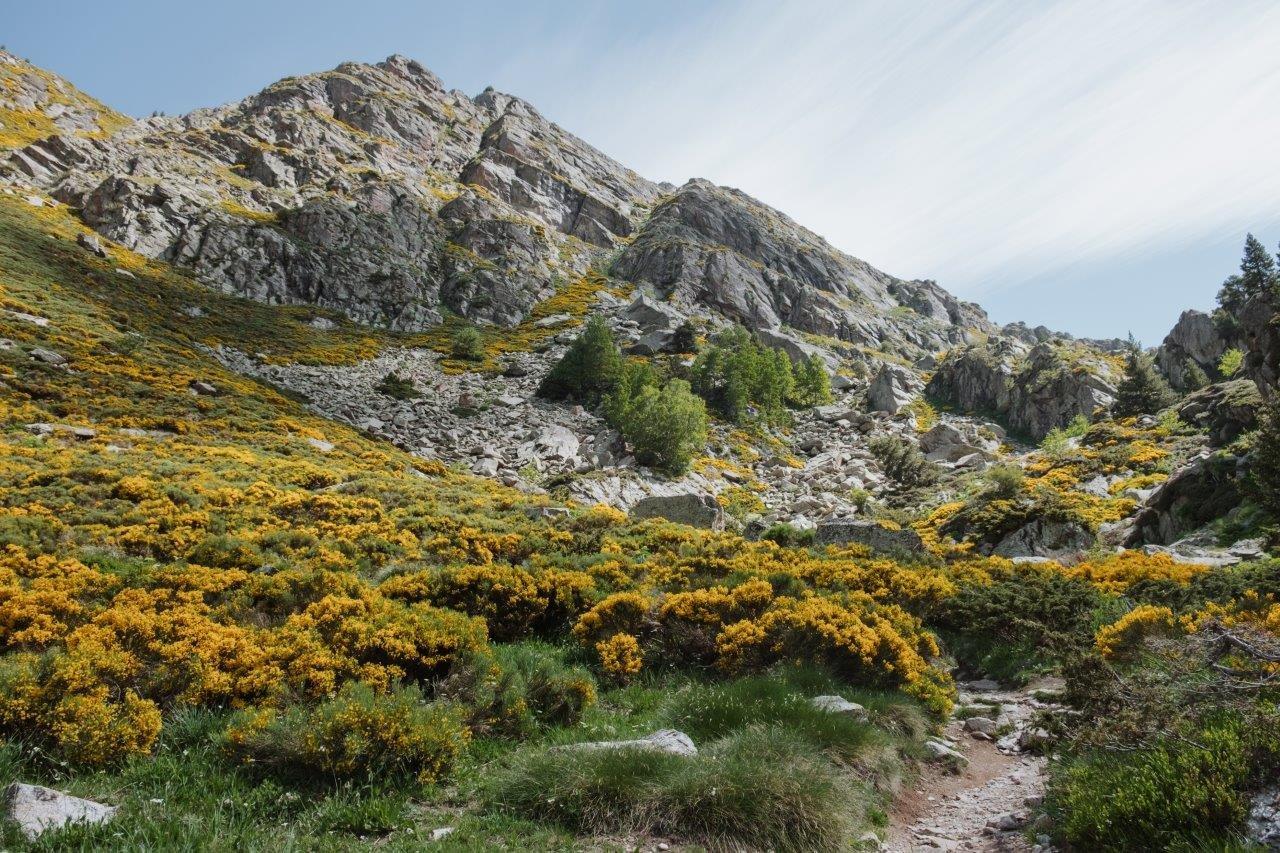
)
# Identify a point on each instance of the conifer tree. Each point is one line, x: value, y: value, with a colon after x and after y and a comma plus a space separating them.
x: 1143, y: 390
x: 588, y: 370
x: 1257, y: 275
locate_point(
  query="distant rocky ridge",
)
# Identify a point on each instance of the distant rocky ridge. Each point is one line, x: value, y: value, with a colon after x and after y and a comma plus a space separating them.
x: 376, y: 191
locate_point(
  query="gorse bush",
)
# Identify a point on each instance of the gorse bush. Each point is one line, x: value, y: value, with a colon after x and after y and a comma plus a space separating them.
x: 589, y: 369
x: 358, y: 734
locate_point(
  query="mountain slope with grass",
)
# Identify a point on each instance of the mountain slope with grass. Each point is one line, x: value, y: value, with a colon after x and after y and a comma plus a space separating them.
x: 385, y: 466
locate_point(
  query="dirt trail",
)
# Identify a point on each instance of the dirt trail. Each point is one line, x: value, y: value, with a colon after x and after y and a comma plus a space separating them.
x: 987, y: 806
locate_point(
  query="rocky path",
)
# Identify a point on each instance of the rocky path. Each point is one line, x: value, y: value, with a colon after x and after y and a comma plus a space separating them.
x: 990, y: 803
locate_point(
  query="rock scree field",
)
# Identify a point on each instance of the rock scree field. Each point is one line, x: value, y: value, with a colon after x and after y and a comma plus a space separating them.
x: 386, y: 467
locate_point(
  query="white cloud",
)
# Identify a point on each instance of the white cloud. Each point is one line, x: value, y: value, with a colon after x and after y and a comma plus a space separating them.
x: 968, y: 143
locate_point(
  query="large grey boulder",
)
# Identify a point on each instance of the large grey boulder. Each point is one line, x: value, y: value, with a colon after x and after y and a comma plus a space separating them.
x: 1225, y: 410
x: 892, y: 388
x: 873, y: 534
x: 37, y: 809
x: 1043, y: 538
x: 1264, y: 818
x: 1204, y: 489
x: 796, y: 347
x: 694, y: 510
x: 839, y: 705
x: 653, y: 315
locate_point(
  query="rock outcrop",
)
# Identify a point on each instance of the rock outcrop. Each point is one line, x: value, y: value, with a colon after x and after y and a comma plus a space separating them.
x: 693, y: 510
x: 1205, y: 489
x: 1194, y: 339
x: 718, y: 247
x: 874, y: 534
x: 1224, y: 411
x: 1031, y: 389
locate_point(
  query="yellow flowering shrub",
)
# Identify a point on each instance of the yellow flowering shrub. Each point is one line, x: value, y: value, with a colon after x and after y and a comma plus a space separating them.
x: 1117, y: 572
x: 1123, y: 635
x: 620, y: 657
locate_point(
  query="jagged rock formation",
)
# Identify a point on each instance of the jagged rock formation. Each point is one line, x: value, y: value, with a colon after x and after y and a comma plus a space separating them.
x: 1205, y: 489
x: 1260, y: 337
x: 35, y: 104
x: 1194, y: 339
x: 1224, y: 410
x: 718, y: 247
x: 1032, y: 389
x: 370, y: 189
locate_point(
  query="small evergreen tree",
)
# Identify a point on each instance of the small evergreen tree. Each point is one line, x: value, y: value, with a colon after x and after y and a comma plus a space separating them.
x: 1257, y: 275
x: 685, y: 339
x: 812, y: 385
x: 1143, y: 390
x: 666, y: 428
x: 1193, y: 376
x: 736, y: 374
x: 903, y: 462
x: 588, y: 370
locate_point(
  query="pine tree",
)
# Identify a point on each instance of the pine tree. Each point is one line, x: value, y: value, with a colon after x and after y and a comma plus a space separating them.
x: 1263, y: 483
x: 812, y: 385
x: 588, y: 370
x: 1257, y: 275
x: 1143, y: 390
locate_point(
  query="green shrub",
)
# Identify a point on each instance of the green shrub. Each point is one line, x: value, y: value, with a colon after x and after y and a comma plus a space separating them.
x: 1056, y: 442
x: 1024, y: 619
x: 738, y: 376
x: 1230, y: 363
x: 397, y: 387
x: 666, y: 428
x: 1193, y: 376
x: 467, y: 343
x: 588, y: 370
x: 812, y: 385
x: 359, y: 734
x: 1004, y: 481
x: 789, y: 536
x: 1172, y: 793
x: 685, y: 338
x: 762, y: 788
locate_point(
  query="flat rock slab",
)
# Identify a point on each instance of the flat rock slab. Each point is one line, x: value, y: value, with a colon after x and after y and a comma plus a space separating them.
x: 663, y: 740
x: 839, y: 705
x: 37, y: 809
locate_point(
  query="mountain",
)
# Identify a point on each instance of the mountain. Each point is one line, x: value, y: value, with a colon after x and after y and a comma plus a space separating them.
x: 384, y: 466
x: 376, y: 191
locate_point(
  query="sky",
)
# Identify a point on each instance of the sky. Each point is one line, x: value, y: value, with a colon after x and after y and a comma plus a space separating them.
x: 1089, y: 166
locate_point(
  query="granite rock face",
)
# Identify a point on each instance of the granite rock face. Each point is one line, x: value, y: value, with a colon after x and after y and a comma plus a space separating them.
x: 715, y: 246
x: 1032, y: 389
x: 36, y: 809
x: 1194, y: 339
x: 371, y: 189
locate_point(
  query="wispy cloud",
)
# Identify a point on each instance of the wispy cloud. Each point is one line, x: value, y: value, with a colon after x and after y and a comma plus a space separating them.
x: 973, y: 143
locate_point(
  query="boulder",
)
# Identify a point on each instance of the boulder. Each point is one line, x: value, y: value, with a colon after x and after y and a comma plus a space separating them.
x: 670, y: 741
x: 92, y: 243
x: 1264, y: 818
x: 652, y: 315
x: 692, y: 509
x: 873, y: 534
x: 796, y: 347
x: 1043, y: 538
x: 37, y: 809
x: 893, y: 388
x: 984, y: 725
x: 1206, y: 488
x: 48, y: 356
x: 839, y: 705
x: 1223, y: 410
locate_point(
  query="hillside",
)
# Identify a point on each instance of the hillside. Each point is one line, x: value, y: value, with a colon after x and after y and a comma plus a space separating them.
x: 379, y: 463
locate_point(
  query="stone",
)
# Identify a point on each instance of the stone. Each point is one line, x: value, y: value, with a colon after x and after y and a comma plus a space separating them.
x: 511, y: 400
x: 670, y: 741
x: 37, y: 809
x: 940, y: 751
x: 318, y: 444
x: 441, y: 832
x: 486, y: 467
x: 692, y: 509
x: 1264, y: 818
x: 203, y: 388
x: 839, y: 705
x: 893, y: 388
x: 48, y: 356
x: 873, y: 534
x: 93, y: 244
x: 1043, y: 538
x: 985, y: 725
x: 553, y: 320
x: 42, y: 322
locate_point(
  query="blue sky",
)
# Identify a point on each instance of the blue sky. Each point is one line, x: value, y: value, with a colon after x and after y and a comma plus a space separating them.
x: 1091, y: 166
